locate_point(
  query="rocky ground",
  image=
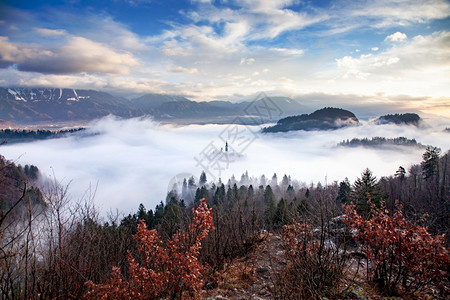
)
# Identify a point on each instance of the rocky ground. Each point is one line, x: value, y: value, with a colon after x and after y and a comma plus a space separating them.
x: 251, y: 277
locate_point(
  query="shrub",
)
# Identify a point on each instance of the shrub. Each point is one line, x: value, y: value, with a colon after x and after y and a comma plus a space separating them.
x: 166, y: 270
x: 315, y: 264
x: 400, y: 253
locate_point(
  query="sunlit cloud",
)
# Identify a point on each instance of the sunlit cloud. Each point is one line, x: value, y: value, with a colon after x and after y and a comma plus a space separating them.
x: 396, y: 37
x: 77, y: 56
x: 184, y: 70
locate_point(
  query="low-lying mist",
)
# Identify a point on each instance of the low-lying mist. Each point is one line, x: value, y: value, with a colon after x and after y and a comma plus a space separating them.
x: 133, y: 161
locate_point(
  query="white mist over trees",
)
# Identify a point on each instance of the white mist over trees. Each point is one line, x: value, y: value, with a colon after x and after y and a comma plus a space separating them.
x: 132, y: 161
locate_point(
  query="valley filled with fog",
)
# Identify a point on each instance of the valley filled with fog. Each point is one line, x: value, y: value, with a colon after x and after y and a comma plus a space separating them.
x: 127, y: 162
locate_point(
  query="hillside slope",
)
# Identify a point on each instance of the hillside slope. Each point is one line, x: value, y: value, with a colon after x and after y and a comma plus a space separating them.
x: 327, y: 118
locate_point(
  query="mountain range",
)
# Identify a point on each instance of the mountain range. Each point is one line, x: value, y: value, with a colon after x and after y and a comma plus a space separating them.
x: 30, y: 105
x: 46, y: 105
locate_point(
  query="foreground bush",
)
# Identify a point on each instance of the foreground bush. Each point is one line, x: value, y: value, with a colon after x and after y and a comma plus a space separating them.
x: 166, y: 270
x: 400, y: 253
x: 315, y: 265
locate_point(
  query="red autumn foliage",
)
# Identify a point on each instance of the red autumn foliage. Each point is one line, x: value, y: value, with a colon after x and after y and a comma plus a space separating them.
x: 167, y: 270
x: 400, y: 253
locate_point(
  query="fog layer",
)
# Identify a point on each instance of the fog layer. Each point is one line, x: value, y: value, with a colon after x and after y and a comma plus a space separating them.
x: 133, y: 161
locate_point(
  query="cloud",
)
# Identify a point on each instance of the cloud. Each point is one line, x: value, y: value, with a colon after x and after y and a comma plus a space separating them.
x: 242, y: 22
x: 184, y: 70
x: 77, y: 56
x: 290, y: 52
x: 50, y: 32
x: 134, y: 160
x: 354, y: 66
x: 396, y: 37
x: 11, y: 53
x: 117, y: 35
x: 70, y: 54
x: 247, y: 61
x: 285, y: 79
x: 415, y: 67
x: 383, y: 14
x: 270, y: 19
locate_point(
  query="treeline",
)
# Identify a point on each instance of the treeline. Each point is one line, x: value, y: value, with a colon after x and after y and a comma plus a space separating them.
x: 381, y: 141
x: 18, y: 135
x: 53, y: 252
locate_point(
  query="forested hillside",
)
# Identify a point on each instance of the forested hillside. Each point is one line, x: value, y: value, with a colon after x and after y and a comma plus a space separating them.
x: 399, y: 119
x: 18, y: 188
x: 328, y: 118
x: 381, y: 233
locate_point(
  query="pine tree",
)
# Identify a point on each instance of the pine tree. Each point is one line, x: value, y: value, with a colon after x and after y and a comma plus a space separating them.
x: 184, y: 190
x: 401, y: 173
x: 302, y: 208
x: 282, y: 215
x: 142, y: 213
x: 274, y: 181
x: 173, y: 212
x: 430, y: 163
x: 364, y: 189
x: 150, y: 222
x: 219, y: 195
x: 268, y: 194
x: 344, y: 191
x: 307, y: 193
x: 202, y: 180
x: 263, y: 180
x: 285, y: 181
x: 290, y: 193
x: 201, y: 192
x: 191, y: 182
x: 251, y: 191
x: 159, y: 213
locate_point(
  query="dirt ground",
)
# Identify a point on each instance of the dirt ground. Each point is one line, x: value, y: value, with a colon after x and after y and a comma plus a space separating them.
x: 250, y: 277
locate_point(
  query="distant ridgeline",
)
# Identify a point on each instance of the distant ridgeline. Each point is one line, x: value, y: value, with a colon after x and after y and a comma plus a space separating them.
x: 31, y: 105
x: 400, y: 119
x: 22, y: 135
x: 327, y: 118
x: 381, y: 141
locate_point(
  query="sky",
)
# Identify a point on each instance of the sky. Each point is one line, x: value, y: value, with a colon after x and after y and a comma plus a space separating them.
x: 384, y: 52
x: 135, y: 161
